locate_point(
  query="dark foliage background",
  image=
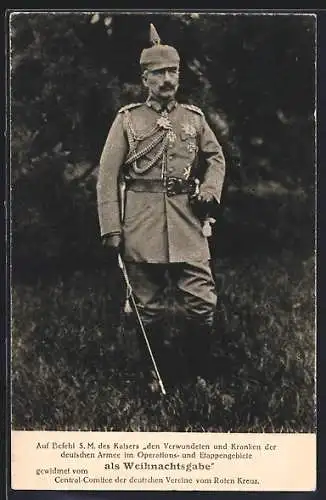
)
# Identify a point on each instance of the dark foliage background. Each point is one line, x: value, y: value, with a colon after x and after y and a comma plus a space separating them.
x: 254, y: 77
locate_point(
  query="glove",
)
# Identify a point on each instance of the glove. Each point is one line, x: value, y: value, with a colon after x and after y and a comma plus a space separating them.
x: 205, y: 196
x: 205, y: 204
x: 112, y: 242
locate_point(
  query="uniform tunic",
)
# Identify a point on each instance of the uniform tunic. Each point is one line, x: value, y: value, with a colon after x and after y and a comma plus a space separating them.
x: 158, y: 228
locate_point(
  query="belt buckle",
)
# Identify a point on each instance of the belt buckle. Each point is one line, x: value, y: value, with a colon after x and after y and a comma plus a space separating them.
x: 173, y: 186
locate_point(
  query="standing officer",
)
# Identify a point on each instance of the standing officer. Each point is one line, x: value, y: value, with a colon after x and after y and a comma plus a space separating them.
x: 163, y: 149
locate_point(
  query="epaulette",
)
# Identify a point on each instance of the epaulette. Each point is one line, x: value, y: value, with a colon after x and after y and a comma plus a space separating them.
x: 130, y: 106
x: 193, y: 108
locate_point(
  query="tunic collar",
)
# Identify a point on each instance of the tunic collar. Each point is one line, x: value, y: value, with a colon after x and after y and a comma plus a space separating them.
x: 158, y: 107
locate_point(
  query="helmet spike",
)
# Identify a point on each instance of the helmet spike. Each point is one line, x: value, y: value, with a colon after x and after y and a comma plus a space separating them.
x: 153, y: 35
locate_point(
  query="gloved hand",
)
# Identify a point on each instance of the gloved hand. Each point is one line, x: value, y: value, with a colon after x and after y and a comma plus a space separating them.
x: 112, y: 242
x: 204, y: 204
x: 205, y: 196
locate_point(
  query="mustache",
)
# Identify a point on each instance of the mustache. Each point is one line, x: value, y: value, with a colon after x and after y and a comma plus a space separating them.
x: 167, y: 86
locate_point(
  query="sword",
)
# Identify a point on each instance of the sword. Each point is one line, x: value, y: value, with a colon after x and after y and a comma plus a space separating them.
x: 133, y: 301
x: 130, y: 294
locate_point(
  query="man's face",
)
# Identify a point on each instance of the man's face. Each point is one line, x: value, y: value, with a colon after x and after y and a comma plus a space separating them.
x: 162, y: 83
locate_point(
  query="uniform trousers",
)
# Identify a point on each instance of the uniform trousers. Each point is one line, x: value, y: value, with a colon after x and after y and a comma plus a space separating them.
x: 193, y: 284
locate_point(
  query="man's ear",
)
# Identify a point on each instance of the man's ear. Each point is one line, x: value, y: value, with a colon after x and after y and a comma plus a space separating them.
x: 144, y: 78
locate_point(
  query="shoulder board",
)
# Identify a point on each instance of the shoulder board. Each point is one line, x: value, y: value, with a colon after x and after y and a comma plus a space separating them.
x: 191, y: 107
x: 130, y: 106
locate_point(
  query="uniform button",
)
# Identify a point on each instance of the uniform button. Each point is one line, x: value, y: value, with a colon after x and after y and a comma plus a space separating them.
x: 171, y: 156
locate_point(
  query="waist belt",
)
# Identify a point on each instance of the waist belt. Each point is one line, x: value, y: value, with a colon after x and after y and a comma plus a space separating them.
x: 171, y: 186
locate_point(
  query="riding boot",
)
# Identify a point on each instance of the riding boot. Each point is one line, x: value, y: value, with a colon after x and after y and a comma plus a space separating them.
x: 199, y: 350
x: 152, y: 355
x: 163, y: 351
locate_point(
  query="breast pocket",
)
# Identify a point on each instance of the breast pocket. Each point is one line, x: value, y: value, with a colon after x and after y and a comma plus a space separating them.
x: 189, y: 145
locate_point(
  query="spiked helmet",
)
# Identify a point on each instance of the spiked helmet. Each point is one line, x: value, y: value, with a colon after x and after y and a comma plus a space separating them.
x: 158, y: 56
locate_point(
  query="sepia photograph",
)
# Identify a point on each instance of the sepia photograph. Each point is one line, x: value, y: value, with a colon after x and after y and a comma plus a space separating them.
x: 162, y: 221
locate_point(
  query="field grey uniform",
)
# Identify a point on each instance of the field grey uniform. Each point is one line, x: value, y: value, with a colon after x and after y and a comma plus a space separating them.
x: 158, y: 150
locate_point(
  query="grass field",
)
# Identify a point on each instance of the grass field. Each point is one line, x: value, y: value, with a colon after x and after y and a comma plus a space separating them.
x: 74, y: 365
